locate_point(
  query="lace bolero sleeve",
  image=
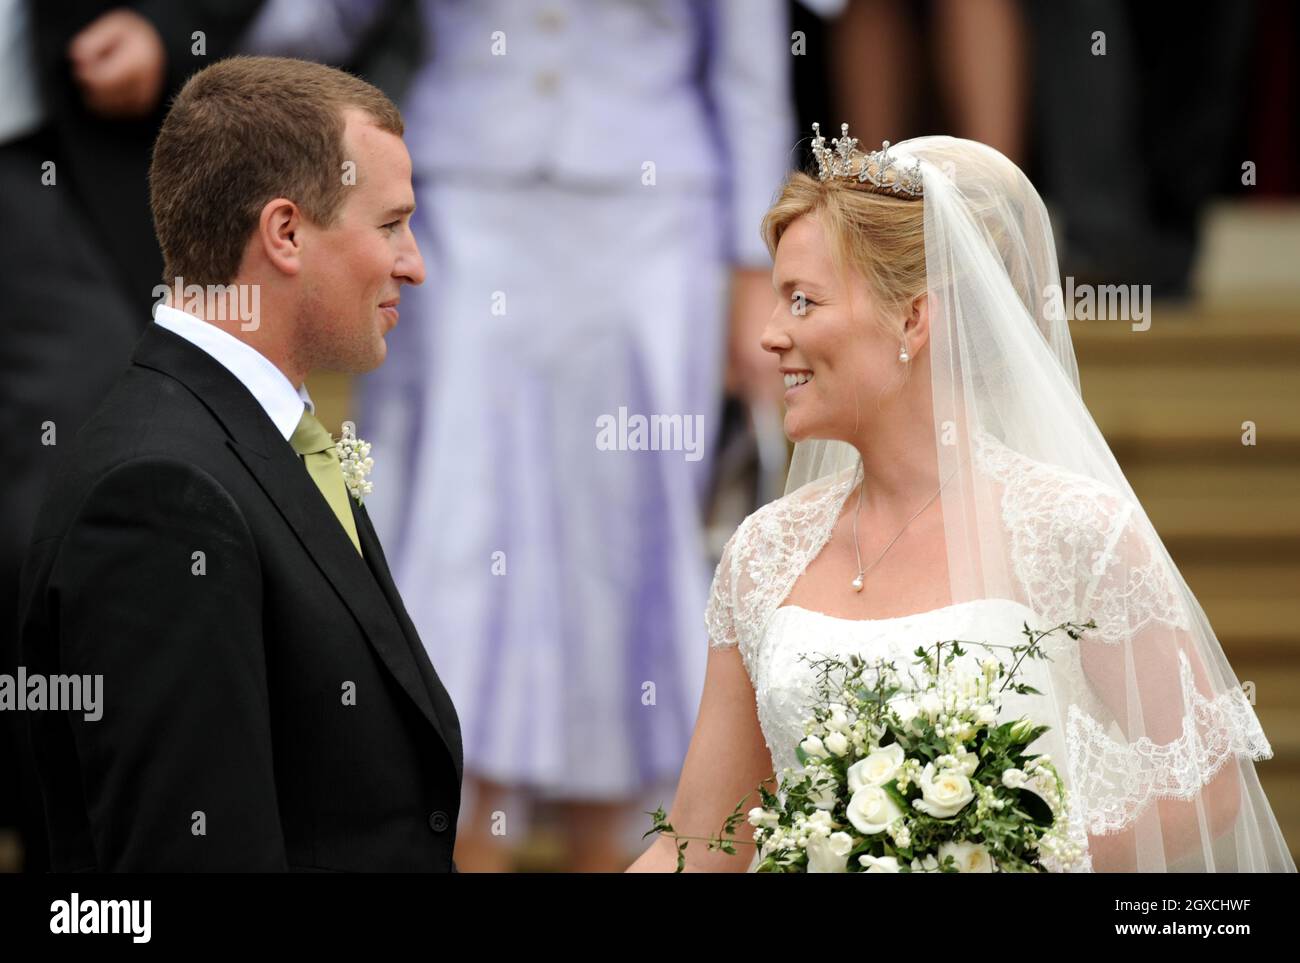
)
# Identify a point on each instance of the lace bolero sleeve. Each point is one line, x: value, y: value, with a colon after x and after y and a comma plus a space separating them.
x: 1081, y: 549
x: 1128, y: 584
x: 719, y: 615
x: 1177, y: 713
x: 765, y: 556
x: 1153, y: 709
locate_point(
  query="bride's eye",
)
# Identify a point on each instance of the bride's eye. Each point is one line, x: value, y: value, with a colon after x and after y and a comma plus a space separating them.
x: 391, y: 225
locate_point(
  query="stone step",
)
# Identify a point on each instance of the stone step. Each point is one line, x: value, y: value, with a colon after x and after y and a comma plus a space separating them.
x: 1245, y: 496
x: 1185, y: 405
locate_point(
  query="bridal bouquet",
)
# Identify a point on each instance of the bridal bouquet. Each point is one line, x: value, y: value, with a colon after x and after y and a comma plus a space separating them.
x: 913, y: 774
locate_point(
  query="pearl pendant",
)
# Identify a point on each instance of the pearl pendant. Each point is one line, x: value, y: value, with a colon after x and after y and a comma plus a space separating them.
x: 857, y: 584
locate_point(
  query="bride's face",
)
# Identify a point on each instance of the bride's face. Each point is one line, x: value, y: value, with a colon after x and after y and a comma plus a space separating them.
x: 825, y: 333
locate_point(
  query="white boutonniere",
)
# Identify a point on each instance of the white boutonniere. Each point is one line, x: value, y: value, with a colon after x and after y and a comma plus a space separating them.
x: 355, y: 460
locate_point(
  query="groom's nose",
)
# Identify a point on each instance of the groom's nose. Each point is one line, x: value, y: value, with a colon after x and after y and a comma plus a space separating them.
x: 410, y: 265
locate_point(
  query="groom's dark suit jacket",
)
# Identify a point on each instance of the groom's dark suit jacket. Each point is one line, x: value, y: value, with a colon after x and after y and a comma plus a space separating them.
x: 266, y: 704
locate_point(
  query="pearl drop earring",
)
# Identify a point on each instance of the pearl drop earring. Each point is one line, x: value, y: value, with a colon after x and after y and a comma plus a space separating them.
x: 902, y: 354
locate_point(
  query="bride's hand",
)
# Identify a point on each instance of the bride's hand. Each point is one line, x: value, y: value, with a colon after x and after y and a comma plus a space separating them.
x: 726, y: 760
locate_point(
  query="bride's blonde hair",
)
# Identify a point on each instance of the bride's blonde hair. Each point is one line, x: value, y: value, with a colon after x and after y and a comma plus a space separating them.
x: 881, y: 236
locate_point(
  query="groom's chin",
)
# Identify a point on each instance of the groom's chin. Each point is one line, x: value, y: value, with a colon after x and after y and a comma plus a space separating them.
x: 356, y: 364
x: 374, y: 358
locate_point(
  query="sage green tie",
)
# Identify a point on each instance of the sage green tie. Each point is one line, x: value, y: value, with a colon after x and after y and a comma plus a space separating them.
x: 313, y: 442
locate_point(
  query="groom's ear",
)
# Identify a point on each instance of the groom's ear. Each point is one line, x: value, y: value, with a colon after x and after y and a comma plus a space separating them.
x: 279, y: 235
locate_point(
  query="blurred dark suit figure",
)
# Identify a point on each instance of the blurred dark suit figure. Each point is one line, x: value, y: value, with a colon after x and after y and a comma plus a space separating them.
x: 1136, y: 139
x: 79, y: 257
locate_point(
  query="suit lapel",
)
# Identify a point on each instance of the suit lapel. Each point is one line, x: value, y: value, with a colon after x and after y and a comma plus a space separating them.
x: 275, y: 466
x: 289, y: 486
x: 441, y: 701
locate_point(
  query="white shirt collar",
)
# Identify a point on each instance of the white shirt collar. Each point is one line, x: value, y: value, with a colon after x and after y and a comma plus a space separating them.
x: 282, y: 403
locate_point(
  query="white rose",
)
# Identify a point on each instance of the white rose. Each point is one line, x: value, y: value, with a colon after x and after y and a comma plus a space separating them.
x: 987, y: 715
x: 1013, y: 778
x: 813, y: 747
x: 931, y: 704
x: 872, y: 809
x: 877, y: 769
x: 943, y: 795
x: 829, y: 854
x: 970, y: 857
x: 837, y: 743
x: 839, y: 718
x: 878, y: 864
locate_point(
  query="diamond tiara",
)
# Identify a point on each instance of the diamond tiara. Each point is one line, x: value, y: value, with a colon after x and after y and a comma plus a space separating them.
x: 878, y: 167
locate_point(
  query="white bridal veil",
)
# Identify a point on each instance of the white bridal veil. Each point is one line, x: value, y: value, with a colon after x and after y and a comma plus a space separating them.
x: 1159, y: 736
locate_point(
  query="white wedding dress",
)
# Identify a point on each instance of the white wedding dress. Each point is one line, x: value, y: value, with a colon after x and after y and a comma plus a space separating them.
x: 1066, y: 528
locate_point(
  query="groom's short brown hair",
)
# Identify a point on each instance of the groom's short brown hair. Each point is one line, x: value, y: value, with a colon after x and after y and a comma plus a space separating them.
x: 240, y: 133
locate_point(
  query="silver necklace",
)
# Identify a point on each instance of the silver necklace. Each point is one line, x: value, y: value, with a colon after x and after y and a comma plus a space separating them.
x: 858, y: 582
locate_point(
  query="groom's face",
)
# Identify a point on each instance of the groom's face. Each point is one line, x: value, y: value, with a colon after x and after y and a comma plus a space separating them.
x: 354, y: 269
